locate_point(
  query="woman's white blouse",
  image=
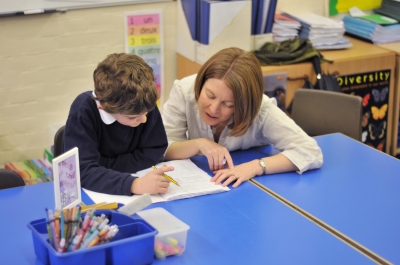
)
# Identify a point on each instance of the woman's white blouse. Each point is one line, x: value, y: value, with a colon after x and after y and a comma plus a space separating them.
x: 182, y: 121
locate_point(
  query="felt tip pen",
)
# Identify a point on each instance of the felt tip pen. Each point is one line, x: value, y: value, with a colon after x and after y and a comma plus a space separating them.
x: 106, y: 237
x: 62, y: 245
x: 95, y: 238
x: 57, y: 227
x: 90, y: 238
x: 67, y: 226
x: 86, y: 222
x: 52, y: 229
x: 62, y: 224
x: 113, y: 231
x: 48, y: 228
x: 93, y: 227
x: 76, y: 221
x: 75, y: 243
x: 72, y: 215
x: 102, y: 234
x: 167, y: 177
x: 62, y: 238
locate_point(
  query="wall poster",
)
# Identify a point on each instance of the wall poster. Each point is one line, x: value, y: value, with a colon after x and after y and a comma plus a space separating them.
x: 143, y: 37
x: 373, y: 88
x: 275, y: 87
x: 342, y: 6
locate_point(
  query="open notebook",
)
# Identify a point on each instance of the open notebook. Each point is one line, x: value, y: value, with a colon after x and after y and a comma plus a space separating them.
x: 193, y: 182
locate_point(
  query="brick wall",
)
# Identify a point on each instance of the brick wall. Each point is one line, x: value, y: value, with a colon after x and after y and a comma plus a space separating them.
x: 47, y: 60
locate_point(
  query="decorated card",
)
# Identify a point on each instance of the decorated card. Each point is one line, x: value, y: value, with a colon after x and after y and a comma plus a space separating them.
x: 67, y: 182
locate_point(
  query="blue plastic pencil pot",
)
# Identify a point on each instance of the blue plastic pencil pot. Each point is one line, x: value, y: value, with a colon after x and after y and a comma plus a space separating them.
x: 133, y: 244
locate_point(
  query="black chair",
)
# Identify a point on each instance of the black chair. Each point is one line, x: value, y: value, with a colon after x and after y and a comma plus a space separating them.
x: 320, y: 112
x: 58, y: 141
x: 10, y: 179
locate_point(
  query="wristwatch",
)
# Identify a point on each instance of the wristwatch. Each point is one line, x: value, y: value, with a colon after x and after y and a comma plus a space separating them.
x: 263, y: 165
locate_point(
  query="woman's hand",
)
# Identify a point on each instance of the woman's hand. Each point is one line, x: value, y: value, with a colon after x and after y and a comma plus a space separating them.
x: 153, y: 182
x: 237, y: 174
x: 218, y: 156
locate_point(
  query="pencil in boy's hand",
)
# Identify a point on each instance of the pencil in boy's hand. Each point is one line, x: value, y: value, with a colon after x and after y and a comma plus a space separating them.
x: 167, y: 177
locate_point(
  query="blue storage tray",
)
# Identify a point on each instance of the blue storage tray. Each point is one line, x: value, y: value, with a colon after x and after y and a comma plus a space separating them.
x: 133, y: 244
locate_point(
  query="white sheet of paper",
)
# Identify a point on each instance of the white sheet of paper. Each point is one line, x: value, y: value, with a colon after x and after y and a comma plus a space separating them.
x: 193, y: 182
x: 98, y: 197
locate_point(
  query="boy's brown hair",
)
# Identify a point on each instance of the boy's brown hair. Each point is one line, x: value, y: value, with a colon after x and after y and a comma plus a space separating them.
x: 124, y: 83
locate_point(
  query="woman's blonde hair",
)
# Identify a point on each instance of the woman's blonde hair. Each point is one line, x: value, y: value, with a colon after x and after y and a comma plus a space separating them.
x: 241, y: 72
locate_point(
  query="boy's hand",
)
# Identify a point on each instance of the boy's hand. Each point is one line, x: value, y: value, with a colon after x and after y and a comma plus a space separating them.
x: 153, y: 182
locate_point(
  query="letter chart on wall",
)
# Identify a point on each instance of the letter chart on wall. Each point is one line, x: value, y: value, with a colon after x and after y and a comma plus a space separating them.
x: 144, y: 38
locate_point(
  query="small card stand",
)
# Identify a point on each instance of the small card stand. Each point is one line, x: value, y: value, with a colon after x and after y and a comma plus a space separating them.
x: 67, y: 181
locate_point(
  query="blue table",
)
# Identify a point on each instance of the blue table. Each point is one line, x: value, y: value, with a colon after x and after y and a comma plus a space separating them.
x: 357, y: 192
x: 242, y: 226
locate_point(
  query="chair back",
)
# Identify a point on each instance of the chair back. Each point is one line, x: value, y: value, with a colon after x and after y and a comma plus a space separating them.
x: 320, y: 112
x: 58, y: 141
x: 10, y: 179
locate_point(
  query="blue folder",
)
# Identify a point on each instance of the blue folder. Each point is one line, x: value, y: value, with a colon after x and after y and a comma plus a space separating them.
x: 254, y: 8
x: 270, y: 17
x: 260, y: 14
x: 204, y: 24
x: 190, y: 9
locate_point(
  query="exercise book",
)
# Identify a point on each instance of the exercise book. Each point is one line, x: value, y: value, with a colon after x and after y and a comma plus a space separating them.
x: 193, y: 182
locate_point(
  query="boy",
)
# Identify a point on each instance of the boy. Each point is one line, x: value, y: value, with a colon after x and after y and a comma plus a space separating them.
x: 118, y: 129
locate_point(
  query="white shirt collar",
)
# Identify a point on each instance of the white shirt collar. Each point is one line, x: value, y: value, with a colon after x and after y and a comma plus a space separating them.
x: 106, y: 117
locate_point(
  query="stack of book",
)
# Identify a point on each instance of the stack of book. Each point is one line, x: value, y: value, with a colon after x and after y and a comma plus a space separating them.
x: 285, y: 28
x: 324, y: 33
x: 371, y: 29
x: 33, y: 171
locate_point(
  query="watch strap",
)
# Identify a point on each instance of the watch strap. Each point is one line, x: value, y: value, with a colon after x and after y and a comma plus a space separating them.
x: 263, y: 165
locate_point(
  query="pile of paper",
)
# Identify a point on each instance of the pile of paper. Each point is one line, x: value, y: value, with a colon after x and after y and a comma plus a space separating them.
x: 285, y: 28
x: 324, y: 33
x: 372, y: 31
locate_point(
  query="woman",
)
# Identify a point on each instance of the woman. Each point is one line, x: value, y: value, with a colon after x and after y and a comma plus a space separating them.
x: 223, y: 108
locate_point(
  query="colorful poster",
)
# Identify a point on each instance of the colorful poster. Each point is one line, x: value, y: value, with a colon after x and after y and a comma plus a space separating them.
x: 144, y: 37
x: 342, y: 6
x: 373, y: 88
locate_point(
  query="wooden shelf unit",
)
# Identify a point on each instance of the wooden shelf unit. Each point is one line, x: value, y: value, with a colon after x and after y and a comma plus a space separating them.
x: 360, y: 58
x: 395, y: 46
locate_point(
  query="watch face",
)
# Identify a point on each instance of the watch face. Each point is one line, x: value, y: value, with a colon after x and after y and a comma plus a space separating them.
x: 263, y: 165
